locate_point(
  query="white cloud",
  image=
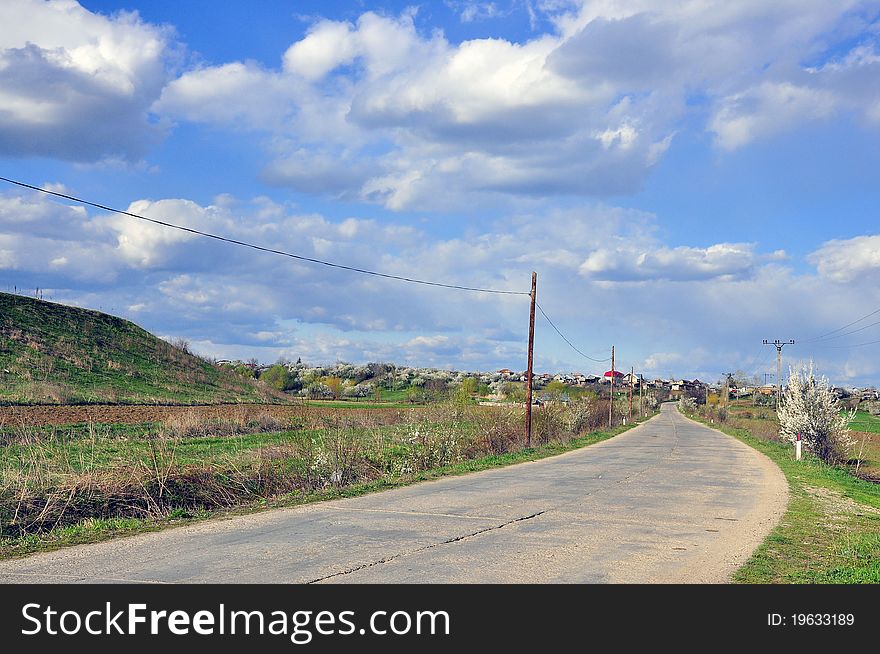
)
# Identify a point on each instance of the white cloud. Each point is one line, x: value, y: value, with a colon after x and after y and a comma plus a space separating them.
x: 674, y: 264
x: 7, y: 259
x: 77, y: 85
x: 248, y: 303
x: 375, y: 110
x: 768, y: 109
x: 845, y: 260
x: 327, y: 45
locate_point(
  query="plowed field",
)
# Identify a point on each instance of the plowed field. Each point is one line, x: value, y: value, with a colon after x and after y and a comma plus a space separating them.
x: 109, y: 413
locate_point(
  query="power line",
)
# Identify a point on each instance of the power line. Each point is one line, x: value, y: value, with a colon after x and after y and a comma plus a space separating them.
x: 834, y: 331
x: 846, y: 347
x: 570, y: 344
x: 260, y: 247
x: 854, y: 331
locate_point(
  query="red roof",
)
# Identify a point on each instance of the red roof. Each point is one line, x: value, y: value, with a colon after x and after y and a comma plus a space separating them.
x: 617, y: 373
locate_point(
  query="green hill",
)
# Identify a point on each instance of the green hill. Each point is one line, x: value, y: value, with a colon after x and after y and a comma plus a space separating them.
x: 55, y: 354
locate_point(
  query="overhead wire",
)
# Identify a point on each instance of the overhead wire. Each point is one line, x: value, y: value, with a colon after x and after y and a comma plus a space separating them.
x: 570, y: 344
x: 299, y: 257
x: 261, y: 248
x: 834, y: 331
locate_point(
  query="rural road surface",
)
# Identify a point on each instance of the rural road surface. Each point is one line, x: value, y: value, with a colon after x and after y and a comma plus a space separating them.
x: 668, y: 501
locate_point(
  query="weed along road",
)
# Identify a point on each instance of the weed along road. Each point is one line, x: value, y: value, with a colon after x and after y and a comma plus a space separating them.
x: 668, y: 501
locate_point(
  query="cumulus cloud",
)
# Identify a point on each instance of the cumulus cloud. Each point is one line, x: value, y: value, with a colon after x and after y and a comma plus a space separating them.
x: 845, y: 260
x: 76, y: 85
x: 378, y: 110
x: 770, y: 108
x: 238, y: 302
x: 732, y: 260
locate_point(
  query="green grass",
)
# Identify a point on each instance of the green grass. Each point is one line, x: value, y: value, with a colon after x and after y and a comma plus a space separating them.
x: 65, y: 455
x: 830, y: 532
x: 202, y: 449
x: 51, y: 353
x: 864, y: 421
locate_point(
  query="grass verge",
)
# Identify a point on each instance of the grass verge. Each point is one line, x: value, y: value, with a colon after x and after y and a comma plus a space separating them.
x: 830, y: 532
x: 99, y: 529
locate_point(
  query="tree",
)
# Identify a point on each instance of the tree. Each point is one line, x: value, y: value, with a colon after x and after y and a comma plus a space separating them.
x: 414, y: 395
x: 514, y: 392
x: 334, y: 384
x: 556, y: 388
x: 810, y: 408
x: 468, y: 385
x: 276, y: 377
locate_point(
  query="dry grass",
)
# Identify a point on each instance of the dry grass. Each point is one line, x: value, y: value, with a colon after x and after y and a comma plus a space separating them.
x: 190, y: 463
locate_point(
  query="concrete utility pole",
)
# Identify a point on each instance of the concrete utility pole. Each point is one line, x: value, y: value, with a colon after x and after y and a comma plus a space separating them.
x: 531, y: 353
x: 779, y: 345
x: 611, y: 396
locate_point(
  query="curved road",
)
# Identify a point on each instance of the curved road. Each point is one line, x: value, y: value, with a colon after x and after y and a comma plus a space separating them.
x: 668, y: 501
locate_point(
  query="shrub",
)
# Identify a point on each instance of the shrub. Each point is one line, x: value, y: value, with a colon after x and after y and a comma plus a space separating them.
x: 581, y: 417
x: 501, y: 430
x: 688, y: 404
x: 548, y: 423
x: 276, y: 377
x: 810, y: 408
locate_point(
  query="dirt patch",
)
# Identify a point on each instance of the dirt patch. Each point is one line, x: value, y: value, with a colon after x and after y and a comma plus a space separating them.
x: 39, y: 415
x: 838, y: 506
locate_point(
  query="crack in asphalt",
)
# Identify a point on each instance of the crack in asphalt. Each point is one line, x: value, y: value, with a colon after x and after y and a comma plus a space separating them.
x: 424, y: 549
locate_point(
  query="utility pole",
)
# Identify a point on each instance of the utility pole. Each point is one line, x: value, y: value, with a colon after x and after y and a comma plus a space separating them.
x: 632, y: 372
x: 779, y: 345
x: 641, y: 401
x: 727, y: 377
x: 611, y: 396
x: 531, y: 353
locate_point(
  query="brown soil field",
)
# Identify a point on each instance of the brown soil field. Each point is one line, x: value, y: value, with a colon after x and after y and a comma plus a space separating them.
x: 38, y: 415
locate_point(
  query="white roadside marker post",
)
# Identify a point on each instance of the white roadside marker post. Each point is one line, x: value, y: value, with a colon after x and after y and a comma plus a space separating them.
x: 797, y: 447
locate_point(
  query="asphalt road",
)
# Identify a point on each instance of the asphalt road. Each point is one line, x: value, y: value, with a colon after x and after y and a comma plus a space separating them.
x: 668, y: 501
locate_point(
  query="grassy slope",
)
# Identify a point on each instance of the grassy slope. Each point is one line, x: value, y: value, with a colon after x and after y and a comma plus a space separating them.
x: 830, y: 532
x: 51, y: 353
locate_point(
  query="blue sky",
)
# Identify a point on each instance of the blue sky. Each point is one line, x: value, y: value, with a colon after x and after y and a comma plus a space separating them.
x: 686, y: 178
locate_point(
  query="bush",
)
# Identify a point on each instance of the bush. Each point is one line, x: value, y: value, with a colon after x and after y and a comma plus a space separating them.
x: 581, y: 417
x: 277, y: 377
x: 810, y: 408
x: 688, y: 404
x: 501, y: 431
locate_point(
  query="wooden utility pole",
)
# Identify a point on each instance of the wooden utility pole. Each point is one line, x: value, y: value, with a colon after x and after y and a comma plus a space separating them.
x: 727, y: 377
x: 531, y: 353
x: 632, y: 372
x: 611, y: 395
x: 642, y: 401
x: 779, y: 345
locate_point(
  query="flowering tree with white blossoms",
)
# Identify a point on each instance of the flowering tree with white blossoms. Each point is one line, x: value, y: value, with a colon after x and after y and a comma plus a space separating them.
x: 688, y: 404
x: 810, y: 408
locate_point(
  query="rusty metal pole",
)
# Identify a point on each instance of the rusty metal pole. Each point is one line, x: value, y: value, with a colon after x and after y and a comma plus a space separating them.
x: 531, y: 353
x: 611, y: 396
